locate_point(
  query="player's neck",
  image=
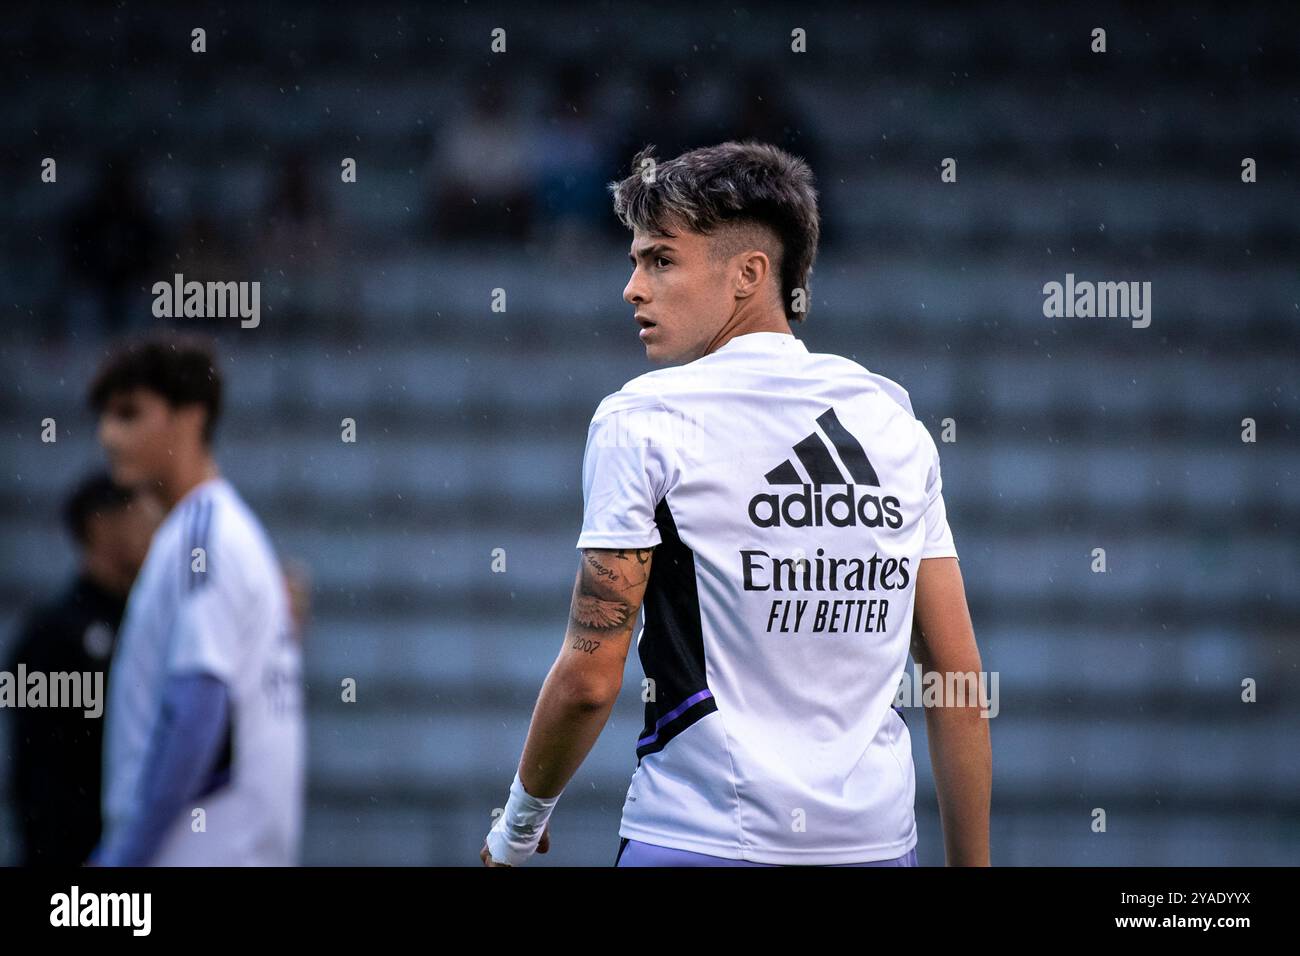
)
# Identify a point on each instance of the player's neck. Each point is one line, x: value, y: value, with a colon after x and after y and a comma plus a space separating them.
x: 186, y: 477
x: 727, y: 335
x: 742, y: 324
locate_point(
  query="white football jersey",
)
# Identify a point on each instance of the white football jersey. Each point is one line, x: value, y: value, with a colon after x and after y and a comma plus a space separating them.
x: 789, y: 496
x: 211, y: 598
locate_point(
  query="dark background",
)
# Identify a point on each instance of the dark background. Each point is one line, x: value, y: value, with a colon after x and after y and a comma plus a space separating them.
x: 479, y: 171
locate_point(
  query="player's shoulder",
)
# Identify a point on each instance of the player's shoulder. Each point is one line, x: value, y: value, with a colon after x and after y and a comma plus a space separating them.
x: 217, y: 519
x: 645, y: 392
x: 875, y: 384
x: 891, y: 390
x: 891, y: 397
x: 187, y: 526
x: 674, y: 388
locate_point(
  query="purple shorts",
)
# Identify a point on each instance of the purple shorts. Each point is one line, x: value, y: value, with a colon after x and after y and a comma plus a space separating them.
x: 636, y: 853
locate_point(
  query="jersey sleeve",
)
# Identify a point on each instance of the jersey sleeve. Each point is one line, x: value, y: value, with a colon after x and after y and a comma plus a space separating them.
x: 938, y: 536
x: 625, y: 474
x: 208, y: 634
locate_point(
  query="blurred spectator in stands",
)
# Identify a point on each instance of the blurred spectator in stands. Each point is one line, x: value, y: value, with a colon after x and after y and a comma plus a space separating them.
x: 203, y: 251
x: 297, y: 248
x: 659, y: 114
x: 206, y: 250
x: 571, y: 152
x: 481, y: 171
x: 764, y: 111
x: 111, y: 244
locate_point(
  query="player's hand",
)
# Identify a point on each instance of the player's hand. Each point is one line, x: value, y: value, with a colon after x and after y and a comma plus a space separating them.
x: 487, y: 857
x: 543, y: 845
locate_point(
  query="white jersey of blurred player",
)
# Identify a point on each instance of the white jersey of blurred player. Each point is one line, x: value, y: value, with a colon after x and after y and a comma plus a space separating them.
x: 789, y: 496
x: 231, y: 619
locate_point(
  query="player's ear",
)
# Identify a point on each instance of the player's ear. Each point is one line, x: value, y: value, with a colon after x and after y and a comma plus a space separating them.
x: 751, y: 273
x: 191, y: 418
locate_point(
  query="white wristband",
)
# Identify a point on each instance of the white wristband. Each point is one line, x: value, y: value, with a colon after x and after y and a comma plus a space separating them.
x: 517, y: 831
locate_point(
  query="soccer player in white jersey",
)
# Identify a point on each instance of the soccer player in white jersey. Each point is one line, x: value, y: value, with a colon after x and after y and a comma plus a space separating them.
x: 778, y: 514
x: 204, y: 739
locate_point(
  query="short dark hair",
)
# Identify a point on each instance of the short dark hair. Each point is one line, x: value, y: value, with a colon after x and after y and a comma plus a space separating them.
x: 741, y: 183
x: 96, y: 494
x: 180, y: 368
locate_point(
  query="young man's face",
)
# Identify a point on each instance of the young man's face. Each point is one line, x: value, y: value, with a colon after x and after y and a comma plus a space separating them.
x: 143, y: 436
x: 680, y: 294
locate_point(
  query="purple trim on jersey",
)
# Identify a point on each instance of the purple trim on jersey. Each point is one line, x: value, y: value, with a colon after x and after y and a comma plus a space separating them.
x: 636, y: 853
x: 675, y: 712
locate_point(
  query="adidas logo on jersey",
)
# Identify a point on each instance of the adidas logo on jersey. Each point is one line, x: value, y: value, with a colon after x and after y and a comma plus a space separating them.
x: 807, y: 507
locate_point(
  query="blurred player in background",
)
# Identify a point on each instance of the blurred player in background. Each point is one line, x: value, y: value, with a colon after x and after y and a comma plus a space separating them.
x: 58, y: 751
x: 204, y: 743
x: 779, y: 514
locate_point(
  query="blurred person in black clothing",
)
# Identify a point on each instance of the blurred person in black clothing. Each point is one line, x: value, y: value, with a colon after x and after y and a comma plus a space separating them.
x: 57, y: 751
x: 111, y: 245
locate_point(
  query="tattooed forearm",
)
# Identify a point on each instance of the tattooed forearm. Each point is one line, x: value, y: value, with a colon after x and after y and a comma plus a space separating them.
x: 642, y: 555
x: 599, y: 569
x: 607, y: 595
x: 595, y: 614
